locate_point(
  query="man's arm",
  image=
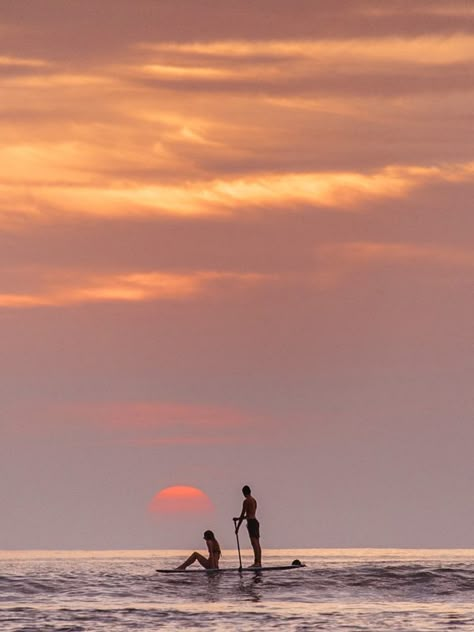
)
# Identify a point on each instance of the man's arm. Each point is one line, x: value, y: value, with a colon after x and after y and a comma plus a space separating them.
x: 240, y: 519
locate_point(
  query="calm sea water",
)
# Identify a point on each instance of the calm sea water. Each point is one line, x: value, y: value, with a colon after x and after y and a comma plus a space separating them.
x: 409, y: 590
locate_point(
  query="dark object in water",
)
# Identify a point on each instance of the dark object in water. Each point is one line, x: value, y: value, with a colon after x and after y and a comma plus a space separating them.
x: 251, y: 569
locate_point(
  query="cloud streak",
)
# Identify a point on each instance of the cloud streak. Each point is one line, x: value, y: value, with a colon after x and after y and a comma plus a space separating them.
x: 58, y: 289
x: 424, y: 50
x: 339, y: 264
x: 367, y: 253
x: 339, y: 191
x: 157, y: 423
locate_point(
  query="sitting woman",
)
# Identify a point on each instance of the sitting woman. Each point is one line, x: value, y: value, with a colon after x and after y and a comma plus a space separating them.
x: 214, y: 554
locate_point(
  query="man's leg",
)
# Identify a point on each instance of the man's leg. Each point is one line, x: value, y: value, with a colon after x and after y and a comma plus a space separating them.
x: 257, y: 551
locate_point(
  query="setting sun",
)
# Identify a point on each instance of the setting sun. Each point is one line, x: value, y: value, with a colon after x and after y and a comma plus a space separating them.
x: 180, y: 499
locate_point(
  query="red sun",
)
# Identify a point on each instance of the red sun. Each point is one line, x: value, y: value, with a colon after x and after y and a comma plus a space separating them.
x: 180, y: 499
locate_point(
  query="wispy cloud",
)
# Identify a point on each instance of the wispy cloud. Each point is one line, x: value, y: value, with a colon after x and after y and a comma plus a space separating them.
x: 389, y: 65
x: 456, y: 8
x: 338, y: 263
x: 154, y: 423
x: 340, y: 191
x: 58, y: 288
x: 21, y: 62
x: 420, y: 50
x: 409, y: 253
x: 139, y: 423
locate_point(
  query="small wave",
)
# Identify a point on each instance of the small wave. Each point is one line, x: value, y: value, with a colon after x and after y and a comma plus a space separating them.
x: 448, y: 580
x: 329, y: 594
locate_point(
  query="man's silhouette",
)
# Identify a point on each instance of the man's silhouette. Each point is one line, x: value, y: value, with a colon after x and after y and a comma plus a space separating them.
x: 249, y: 509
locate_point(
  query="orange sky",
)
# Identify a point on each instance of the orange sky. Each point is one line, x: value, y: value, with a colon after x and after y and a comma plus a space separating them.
x: 236, y: 246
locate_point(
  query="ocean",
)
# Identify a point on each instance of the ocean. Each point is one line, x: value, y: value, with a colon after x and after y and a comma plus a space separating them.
x: 339, y: 589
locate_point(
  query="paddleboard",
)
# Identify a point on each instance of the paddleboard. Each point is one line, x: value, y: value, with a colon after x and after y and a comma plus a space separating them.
x: 247, y: 569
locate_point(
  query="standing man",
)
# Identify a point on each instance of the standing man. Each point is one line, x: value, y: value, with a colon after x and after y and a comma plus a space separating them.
x: 249, y: 509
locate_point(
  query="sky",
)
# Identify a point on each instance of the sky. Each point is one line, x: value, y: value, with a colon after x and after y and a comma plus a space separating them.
x: 236, y: 247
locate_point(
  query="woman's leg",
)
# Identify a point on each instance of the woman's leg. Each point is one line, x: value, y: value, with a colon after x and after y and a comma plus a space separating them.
x: 191, y: 559
x: 202, y: 560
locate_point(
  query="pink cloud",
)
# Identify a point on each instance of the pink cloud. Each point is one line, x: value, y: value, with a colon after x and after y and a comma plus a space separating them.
x: 162, y: 423
x: 143, y: 415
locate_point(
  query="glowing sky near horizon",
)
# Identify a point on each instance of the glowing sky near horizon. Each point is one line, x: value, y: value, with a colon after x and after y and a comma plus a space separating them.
x: 236, y: 247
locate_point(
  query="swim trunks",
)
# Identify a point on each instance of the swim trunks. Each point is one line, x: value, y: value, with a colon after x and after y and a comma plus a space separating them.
x: 254, y: 527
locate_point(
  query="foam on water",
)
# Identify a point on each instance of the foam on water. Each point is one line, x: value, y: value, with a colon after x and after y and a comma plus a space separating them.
x: 338, y: 590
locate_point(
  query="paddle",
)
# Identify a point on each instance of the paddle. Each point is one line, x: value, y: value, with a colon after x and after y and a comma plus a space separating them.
x: 238, y: 544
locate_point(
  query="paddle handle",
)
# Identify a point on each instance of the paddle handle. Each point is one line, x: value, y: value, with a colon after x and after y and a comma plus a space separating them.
x: 238, y: 543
